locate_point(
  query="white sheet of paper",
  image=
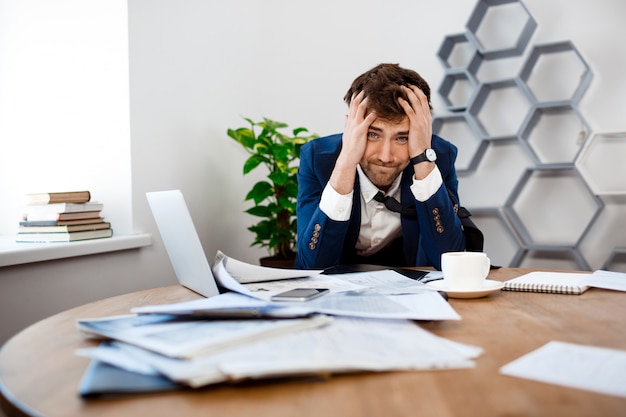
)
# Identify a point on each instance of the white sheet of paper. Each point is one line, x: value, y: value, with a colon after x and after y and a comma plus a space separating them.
x: 185, y: 339
x: 115, y: 355
x: 424, y: 306
x: 231, y: 301
x: 379, y: 294
x: 345, y: 345
x: 244, y: 272
x: 606, y: 279
x: 589, y: 368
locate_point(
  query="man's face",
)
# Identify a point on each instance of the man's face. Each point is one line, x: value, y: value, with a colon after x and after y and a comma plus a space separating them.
x: 386, y: 152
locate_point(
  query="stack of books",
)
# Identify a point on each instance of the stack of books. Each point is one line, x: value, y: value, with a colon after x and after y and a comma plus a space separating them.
x: 62, y: 217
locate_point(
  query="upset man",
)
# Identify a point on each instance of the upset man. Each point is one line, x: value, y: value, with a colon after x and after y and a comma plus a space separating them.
x: 381, y: 192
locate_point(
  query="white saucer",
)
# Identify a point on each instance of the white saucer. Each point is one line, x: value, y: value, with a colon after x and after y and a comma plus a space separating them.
x: 488, y: 287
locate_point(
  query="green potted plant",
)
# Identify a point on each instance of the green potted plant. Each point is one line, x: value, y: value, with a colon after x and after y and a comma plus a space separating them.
x: 275, y: 196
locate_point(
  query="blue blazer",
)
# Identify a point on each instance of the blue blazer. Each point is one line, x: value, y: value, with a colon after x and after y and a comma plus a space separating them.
x: 323, y: 242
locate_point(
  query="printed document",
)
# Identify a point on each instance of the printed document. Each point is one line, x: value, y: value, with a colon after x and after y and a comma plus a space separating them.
x: 244, y: 272
x: 589, y: 368
x: 606, y: 279
x: 344, y: 345
x: 376, y: 294
x: 188, y: 337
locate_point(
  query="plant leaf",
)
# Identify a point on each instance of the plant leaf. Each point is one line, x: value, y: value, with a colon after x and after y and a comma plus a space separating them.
x: 260, y: 192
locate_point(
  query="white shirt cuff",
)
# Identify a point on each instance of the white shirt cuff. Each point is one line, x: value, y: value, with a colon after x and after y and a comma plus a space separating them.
x: 336, y: 206
x: 426, y: 188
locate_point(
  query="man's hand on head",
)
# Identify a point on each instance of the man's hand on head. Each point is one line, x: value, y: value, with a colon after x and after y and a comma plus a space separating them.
x: 356, y: 129
x: 354, y: 140
x: 417, y: 110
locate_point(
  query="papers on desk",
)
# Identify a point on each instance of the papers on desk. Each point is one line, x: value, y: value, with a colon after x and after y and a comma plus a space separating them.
x: 606, y: 279
x: 342, y: 345
x: 187, y: 337
x: 589, y: 368
x: 381, y: 294
x: 191, y: 344
x: 244, y: 273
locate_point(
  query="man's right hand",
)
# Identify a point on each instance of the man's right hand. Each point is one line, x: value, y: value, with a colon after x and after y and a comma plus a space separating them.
x: 354, y: 140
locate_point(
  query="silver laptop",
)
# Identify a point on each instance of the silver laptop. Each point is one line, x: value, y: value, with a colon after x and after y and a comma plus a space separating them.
x: 182, y: 242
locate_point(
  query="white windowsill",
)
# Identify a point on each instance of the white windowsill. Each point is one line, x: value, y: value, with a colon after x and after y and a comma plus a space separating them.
x: 14, y: 253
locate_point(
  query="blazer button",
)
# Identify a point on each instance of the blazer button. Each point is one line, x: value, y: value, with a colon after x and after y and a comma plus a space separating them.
x: 317, y: 227
x: 311, y: 245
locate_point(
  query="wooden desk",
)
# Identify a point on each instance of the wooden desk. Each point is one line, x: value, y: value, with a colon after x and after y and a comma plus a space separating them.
x: 39, y: 372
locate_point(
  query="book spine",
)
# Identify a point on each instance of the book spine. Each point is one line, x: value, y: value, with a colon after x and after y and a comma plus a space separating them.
x: 62, y: 197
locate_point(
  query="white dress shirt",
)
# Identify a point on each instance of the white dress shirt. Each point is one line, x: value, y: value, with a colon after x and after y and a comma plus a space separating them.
x: 379, y: 226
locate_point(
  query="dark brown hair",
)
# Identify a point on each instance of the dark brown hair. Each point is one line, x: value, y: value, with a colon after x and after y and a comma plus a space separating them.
x: 382, y: 85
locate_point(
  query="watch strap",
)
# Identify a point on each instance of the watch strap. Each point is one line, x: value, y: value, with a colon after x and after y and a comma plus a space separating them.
x: 423, y: 157
x: 419, y: 158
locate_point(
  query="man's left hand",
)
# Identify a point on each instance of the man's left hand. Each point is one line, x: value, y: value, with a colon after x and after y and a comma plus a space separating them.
x: 417, y: 110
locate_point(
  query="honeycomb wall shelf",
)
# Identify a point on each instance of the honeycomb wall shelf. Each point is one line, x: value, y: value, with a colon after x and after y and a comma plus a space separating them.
x: 500, y: 108
x: 460, y: 126
x: 523, y: 137
x: 457, y: 89
x: 617, y: 257
x: 485, y: 28
x: 556, y: 73
x: 538, y: 208
x: 456, y: 51
x: 493, y: 222
x: 554, y: 134
x: 552, y: 258
x: 603, y: 163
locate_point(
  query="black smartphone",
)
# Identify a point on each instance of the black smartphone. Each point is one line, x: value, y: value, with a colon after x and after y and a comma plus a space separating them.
x: 300, y: 294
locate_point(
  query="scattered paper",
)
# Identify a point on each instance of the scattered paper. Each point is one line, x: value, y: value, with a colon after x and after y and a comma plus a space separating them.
x: 187, y: 337
x: 370, y: 329
x: 589, y: 368
x: 606, y: 279
x: 245, y: 272
x: 381, y: 294
x: 344, y: 345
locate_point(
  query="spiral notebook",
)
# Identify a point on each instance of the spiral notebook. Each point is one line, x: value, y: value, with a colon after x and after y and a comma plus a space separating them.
x: 548, y: 282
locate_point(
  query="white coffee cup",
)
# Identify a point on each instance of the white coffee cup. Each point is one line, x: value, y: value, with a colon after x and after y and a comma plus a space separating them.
x: 464, y: 271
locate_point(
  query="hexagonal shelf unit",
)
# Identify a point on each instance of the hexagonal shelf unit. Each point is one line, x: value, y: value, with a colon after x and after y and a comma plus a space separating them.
x: 540, y: 208
x: 555, y: 135
x: 500, y: 28
x: 499, y: 170
x: 616, y: 261
x: 500, y: 108
x: 458, y: 129
x: 552, y: 258
x: 457, y: 89
x: 501, y: 243
x: 602, y: 163
x: 456, y: 51
x: 556, y: 72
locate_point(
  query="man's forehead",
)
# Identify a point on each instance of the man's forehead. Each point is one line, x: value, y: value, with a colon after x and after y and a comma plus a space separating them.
x: 380, y: 124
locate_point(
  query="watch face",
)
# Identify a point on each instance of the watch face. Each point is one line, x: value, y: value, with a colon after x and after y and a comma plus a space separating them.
x: 431, y: 155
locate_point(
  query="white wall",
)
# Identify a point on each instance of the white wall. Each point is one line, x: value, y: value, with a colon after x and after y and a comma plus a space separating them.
x: 64, y: 111
x: 196, y: 66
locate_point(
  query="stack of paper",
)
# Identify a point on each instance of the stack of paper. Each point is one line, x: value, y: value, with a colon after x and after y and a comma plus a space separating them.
x: 335, y: 346
x: 364, y: 324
